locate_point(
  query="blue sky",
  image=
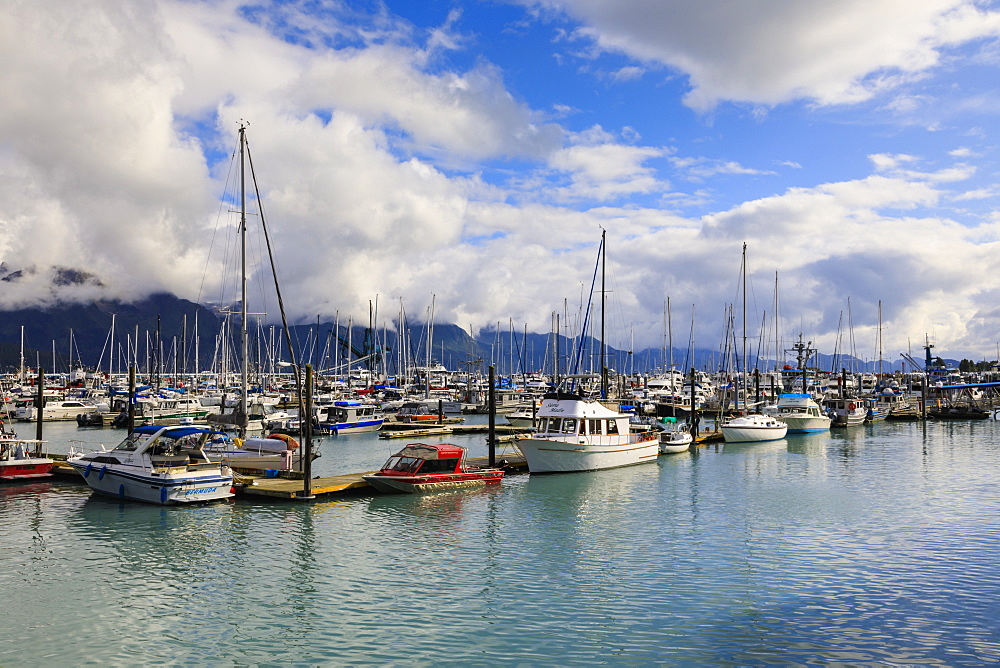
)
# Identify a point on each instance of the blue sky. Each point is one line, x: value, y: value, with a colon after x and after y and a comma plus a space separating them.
x: 472, y: 152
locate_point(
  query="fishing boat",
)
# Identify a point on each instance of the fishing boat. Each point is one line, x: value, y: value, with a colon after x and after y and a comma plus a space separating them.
x: 845, y: 412
x: 578, y: 434
x: 22, y: 459
x: 420, y: 468
x: 158, y: 464
x: 350, y: 417
x: 801, y: 413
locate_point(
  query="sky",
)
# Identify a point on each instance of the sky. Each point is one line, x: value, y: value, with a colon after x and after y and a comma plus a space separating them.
x: 461, y: 159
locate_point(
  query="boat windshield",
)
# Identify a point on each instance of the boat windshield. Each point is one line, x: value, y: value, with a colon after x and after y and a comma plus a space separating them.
x: 402, y: 464
x: 131, y: 442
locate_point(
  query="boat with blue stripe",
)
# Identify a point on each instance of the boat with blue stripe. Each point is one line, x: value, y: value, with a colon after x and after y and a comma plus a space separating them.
x: 161, y: 464
x: 350, y: 416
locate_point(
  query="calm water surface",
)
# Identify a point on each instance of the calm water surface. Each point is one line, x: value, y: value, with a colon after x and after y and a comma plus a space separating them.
x: 875, y: 545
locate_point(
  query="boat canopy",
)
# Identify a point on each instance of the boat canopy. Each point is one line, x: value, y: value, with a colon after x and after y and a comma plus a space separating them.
x: 175, y: 432
x: 424, y: 451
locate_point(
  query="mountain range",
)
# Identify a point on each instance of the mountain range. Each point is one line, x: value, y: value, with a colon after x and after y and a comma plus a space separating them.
x: 87, y: 332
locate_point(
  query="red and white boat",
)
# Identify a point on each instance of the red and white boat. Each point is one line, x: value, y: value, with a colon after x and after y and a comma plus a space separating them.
x: 419, y: 468
x: 21, y: 458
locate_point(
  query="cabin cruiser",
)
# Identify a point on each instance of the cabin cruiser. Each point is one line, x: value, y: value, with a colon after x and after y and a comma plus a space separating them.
x: 801, y: 413
x: 55, y: 409
x: 158, y: 464
x: 753, y: 428
x: 577, y: 434
x: 349, y: 417
x: 523, y: 415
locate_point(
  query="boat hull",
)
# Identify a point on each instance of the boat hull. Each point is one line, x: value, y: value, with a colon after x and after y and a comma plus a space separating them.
x: 674, y: 446
x: 848, y: 419
x: 753, y: 429
x: 360, y: 427
x: 806, y: 424
x: 21, y: 469
x: 427, y: 484
x: 753, y: 434
x: 136, y: 484
x: 545, y: 455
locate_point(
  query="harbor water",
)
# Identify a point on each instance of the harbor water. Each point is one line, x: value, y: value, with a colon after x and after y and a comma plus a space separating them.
x: 878, y: 544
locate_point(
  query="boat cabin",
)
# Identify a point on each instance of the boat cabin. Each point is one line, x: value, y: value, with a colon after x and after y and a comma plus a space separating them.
x: 422, y: 459
x: 349, y: 411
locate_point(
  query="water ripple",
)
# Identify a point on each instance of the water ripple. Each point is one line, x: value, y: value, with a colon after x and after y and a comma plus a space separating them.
x: 875, y: 546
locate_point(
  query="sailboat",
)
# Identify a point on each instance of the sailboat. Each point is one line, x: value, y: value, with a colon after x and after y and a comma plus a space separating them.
x: 276, y: 451
x: 751, y: 427
x: 576, y: 433
x: 239, y: 418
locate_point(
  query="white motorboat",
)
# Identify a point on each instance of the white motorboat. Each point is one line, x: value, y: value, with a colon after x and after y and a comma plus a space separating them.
x: 753, y: 428
x: 278, y: 452
x: 577, y: 434
x: 801, y: 413
x: 55, y: 409
x: 158, y: 464
x: 350, y: 416
x: 675, y: 437
x: 522, y: 416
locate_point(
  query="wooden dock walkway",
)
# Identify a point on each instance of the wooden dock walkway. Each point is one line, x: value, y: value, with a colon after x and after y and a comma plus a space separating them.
x: 290, y: 489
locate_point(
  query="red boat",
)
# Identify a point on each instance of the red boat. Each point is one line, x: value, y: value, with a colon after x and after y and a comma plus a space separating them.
x: 21, y: 458
x: 419, y: 468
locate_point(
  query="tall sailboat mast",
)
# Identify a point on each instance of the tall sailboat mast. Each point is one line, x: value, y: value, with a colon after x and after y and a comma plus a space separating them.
x: 604, y: 366
x: 244, y: 346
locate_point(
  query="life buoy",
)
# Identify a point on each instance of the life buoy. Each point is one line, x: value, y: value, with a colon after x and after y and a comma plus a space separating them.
x: 852, y: 406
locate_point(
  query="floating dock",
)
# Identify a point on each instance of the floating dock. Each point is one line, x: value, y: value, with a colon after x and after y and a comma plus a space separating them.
x: 290, y: 489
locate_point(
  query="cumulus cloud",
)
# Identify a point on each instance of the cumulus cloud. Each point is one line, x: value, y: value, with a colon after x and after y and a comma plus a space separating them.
x: 386, y: 173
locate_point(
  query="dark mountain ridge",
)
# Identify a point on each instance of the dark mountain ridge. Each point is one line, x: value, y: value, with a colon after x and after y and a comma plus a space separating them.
x: 172, y: 321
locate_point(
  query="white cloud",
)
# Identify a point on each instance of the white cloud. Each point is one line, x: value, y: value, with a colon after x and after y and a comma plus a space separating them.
x: 699, y: 168
x: 775, y: 51
x: 100, y: 169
